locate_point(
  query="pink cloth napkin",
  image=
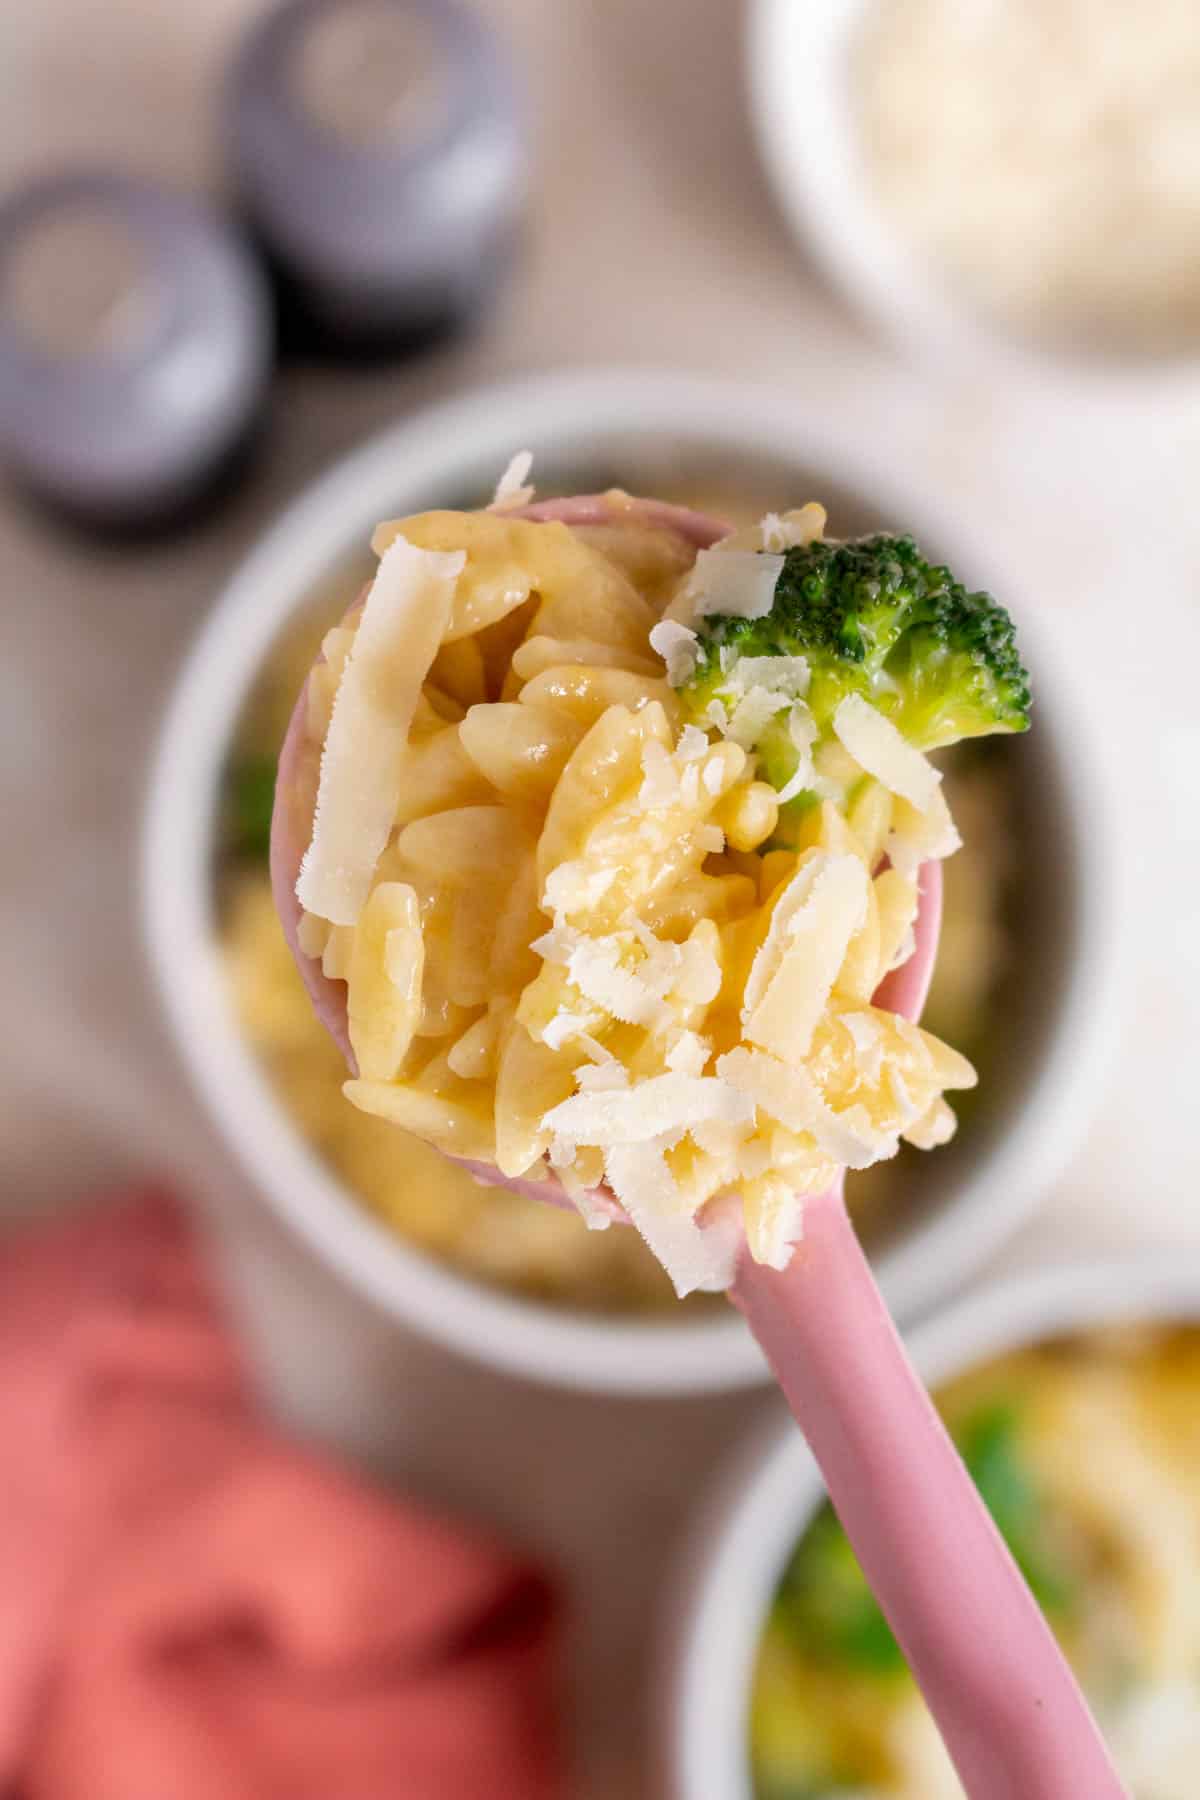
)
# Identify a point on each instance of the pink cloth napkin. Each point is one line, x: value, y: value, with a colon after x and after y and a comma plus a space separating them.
x: 192, y: 1608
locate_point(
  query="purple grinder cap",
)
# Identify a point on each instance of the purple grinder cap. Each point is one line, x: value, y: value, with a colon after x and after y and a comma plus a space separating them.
x: 135, y: 343
x: 378, y: 148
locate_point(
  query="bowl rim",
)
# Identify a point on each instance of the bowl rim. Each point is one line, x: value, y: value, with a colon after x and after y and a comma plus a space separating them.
x: 762, y: 1501
x: 308, y: 538
x: 802, y: 114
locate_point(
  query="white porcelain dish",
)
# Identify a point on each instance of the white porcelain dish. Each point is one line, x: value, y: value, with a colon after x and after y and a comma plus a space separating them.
x: 803, y: 109
x: 754, y: 1517
x: 595, y: 427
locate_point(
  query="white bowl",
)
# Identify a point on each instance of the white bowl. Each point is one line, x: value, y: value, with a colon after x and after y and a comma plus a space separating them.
x: 635, y: 424
x: 803, y: 107
x: 755, y: 1516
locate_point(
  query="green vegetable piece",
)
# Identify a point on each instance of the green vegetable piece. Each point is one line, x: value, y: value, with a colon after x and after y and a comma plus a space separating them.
x: 825, y: 1602
x: 871, y: 617
x: 249, y: 800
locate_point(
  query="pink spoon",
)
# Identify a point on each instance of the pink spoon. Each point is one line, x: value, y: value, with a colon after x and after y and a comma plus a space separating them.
x: 1008, y: 1707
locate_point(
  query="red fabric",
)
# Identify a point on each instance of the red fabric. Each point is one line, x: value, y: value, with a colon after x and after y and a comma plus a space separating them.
x: 193, y: 1609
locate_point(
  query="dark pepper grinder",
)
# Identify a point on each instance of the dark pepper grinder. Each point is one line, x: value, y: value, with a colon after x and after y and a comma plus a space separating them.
x: 135, y: 347
x: 378, y: 153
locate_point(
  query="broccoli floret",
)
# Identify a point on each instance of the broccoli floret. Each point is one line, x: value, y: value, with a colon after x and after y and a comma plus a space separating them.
x: 871, y: 617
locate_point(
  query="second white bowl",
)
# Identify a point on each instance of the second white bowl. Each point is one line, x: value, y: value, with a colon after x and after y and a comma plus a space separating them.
x: 754, y: 1519
x: 805, y: 111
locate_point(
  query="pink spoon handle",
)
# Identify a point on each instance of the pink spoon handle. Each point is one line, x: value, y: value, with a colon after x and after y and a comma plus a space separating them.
x: 1006, y: 1703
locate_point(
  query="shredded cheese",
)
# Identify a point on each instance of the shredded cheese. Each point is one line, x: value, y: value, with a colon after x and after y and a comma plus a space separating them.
x: 867, y: 1038
x: 403, y: 620
x: 737, y: 583
x: 690, y: 1052
x: 596, y: 968
x: 697, y: 1261
x: 691, y: 746
x: 662, y: 1108
x: 804, y: 526
x: 678, y: 646
x: 752, y: 714
x: 660, y: 777
x: 878, y: 747
x: 788, y: 675
x: 792, y: 976
x: 572, y: 886
x: 921, y: 836
x: 787, y: 1092
x: 512, y: 489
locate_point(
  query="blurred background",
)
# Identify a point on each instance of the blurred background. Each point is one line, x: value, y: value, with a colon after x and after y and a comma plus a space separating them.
x: 640, y: 205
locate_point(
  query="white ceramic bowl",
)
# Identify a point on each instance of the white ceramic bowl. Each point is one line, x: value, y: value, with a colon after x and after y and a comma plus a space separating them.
x: 803, y: 108
x: 638, y: 426
x: 755, y: 1516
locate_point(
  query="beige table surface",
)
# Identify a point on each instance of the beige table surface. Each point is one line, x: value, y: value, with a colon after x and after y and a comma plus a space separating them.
x: 652, y: 240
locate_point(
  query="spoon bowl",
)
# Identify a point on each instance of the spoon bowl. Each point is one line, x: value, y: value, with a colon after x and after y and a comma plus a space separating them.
x: 903, y: 991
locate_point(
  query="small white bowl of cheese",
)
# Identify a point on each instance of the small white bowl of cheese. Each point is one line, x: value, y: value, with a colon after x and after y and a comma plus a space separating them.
x: 1011, y: 180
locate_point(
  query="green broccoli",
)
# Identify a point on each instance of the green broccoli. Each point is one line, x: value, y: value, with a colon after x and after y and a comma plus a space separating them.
x: 870, y: 617
x: 827, y: 1608
x: 248, y: 802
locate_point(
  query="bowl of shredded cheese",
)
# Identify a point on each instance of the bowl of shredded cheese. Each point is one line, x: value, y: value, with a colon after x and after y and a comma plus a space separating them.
x: 484, y: 1270
x: 1070, y: 1395
x: 1020, y: 179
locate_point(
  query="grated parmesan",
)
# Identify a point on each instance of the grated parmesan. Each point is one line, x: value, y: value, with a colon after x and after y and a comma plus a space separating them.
x: 878, y: 747
x: 737, y: 583
x: 921, y: 836
x: 403, y: 620
x: 802, y: 729
x: 935, y: 1126
x: 788, y: 675
x: 563, y: 1027
x: 752, y: 714
x: 572, y: 886
x: 697, y: 1261
x: 690, y: 1052
x: 787, y: 1092
x: 658, y: 1110
x: 792, y: 976
x: 678, y: 646
x: 905, y: 1104
x: 866, y: 1036
x: 660, y: 777
x: 774, y: 1220
x: 785, y: 531
x: 1044, y: 156
x: 594, y: 965
x: 904, y: 950
x: 512, y: 489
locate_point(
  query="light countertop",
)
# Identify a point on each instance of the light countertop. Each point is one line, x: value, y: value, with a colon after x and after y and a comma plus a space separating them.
x: 652, y: 240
